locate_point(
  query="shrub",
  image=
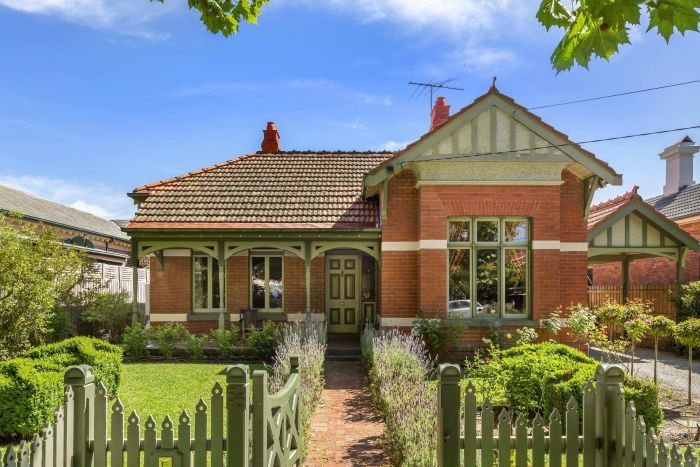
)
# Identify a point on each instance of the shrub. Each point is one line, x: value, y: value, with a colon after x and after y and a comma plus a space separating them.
x: 31, y: 387
x: 645, y: 395
x: 168, y: 335
x: 136, y: 340
x: 541, y: 377
x: 309, y: 343
x: 30, y: 391
x: 224, y: 340
x: 398, y: 369
x: 437, y: 334
x: 111, y: 312
x: 264, y: 341
x: 194, y: 345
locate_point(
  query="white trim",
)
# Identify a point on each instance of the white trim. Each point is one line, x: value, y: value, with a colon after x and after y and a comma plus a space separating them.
x: 432, y: 244
x: 400, y: 246
x: 178, y: 252
x: 168, y: 317
x: 419, y: 183
x: 559, y: 245
x: 396, y: 322
x: 297, y: 317
x: 574, y: 246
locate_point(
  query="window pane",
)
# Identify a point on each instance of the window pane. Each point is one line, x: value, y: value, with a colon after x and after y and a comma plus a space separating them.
x: 369, y: 278
x: 275, y: 281
x: 486, y: 231
x: 487, y: 282
x: 516, y: 281
x: 258, y: 282
x: 460, y: 231
x: 215, y: 287
x: 201, y: 282
x: 459, y: 304
x: 515, y: 231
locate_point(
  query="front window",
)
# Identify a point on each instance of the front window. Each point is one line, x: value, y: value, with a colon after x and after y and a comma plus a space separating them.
x: 207, y: 286
x: 267, y: 290
x: 488, y: 271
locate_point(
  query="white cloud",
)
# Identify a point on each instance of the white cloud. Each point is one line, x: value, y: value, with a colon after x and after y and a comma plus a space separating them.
x: 98, y: 199
x: 131, y: 17
x: 223, y: 88
x: 392, y: 145
x: 356, y: 124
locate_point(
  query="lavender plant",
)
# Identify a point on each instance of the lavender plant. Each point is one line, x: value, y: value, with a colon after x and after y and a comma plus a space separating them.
x: 399, y: 367
x: 309, y: 343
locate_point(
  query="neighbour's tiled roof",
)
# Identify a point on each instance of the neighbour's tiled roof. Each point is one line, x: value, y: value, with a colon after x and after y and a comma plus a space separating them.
x: 57, y: 214
x: 286, y: 189
x: 599, y: 212
x: 684, y: 203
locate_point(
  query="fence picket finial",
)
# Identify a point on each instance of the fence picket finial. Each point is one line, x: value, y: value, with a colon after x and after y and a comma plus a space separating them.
x: 689, y: 456
x: 10, y: 458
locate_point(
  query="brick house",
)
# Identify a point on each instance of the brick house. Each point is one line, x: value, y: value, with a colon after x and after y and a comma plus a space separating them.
x: 483, y: 218
x: 680, y: 203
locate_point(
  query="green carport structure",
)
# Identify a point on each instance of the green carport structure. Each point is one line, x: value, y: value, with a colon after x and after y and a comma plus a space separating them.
x: 626, y: 228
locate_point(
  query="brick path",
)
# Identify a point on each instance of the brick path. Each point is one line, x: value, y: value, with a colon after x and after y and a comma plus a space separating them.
x: 345, y: 429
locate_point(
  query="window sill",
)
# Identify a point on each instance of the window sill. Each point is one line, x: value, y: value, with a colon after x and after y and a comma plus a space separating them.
x: 500, y: 322
x: 206, y: 316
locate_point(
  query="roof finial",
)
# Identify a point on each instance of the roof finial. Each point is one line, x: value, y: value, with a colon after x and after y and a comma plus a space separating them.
x: 493, y: 83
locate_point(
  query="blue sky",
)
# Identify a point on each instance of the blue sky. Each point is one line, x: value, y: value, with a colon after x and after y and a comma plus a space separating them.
x: 100, y: 96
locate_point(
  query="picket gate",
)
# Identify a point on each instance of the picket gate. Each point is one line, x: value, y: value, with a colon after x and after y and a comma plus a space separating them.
x: 77, y: 434
x: 606, y: 434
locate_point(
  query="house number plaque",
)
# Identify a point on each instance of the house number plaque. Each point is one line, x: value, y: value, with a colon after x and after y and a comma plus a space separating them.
x: 168, y: 458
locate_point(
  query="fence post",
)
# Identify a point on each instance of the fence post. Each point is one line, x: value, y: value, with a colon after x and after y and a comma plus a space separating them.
x: 448, y: 415
x: 294, y: 370
x: 81, y: 379
x: 237, y: 415
x: 260, y: 418
x: 610, y: 425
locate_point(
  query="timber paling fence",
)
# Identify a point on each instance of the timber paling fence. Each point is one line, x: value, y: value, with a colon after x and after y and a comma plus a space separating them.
x: 610, y: 435
x: 77, y: 435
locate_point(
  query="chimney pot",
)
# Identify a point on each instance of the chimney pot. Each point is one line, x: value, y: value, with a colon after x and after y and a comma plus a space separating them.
x: 679, y: 165
x: 440, y: 113
x: 271, y: 138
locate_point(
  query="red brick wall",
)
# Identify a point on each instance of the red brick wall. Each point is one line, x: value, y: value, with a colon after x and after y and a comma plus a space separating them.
x: 237, y: 284
x: 171, y: 289
x: 294, y: 285
x: 401, y: 224
x: 399, y: 284
x: 318, y: 284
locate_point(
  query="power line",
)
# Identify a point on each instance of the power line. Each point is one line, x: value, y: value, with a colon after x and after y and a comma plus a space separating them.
x: 550, y: 146
x: 627, y: 93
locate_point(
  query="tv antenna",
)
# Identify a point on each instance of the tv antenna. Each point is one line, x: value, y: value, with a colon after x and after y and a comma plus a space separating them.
x: 423, y: 89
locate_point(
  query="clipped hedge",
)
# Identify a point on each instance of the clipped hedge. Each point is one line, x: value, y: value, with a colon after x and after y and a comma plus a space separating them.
x: 103, y: 357
x: 541, y: 377
x: 31, y: 387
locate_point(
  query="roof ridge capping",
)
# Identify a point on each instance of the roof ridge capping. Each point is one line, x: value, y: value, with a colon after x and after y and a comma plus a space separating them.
x: 633, y: 193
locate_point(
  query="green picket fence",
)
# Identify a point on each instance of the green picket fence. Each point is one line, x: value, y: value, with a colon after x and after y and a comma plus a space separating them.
x: 77, y: 435
x: 606, y: 434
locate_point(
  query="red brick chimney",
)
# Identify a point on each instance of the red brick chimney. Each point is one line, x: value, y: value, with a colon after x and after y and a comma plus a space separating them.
x: 440, y: 113
x: 271, y: 139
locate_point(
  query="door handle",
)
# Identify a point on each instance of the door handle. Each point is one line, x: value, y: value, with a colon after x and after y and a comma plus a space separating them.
x: 342, y: 303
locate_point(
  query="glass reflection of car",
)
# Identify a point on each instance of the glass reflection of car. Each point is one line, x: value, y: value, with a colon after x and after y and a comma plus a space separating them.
x: 463, y: 308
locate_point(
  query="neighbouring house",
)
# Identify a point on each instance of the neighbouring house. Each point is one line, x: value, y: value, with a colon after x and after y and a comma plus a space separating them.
x: 101, y: 239
x: 483, y: 218
x: 671, y: 257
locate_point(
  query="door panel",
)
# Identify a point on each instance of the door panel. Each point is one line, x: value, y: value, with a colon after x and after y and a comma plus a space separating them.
x: 342, y: 281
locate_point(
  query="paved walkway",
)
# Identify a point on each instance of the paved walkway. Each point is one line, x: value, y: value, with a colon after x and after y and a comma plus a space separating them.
x: 345, y: 429
x: 672, y: 369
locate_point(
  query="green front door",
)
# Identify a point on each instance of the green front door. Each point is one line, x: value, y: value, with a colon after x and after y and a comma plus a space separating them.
x: 343, y: 295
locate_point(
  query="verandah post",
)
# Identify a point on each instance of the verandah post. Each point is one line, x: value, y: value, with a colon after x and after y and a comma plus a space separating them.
x: 237, y: 415
x: 448, y: 415
x: 81, y: 379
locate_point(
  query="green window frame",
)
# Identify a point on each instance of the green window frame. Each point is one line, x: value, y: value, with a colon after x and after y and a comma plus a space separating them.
x: 207, y: 284
x: 267, y: 281
x: 489, y: 264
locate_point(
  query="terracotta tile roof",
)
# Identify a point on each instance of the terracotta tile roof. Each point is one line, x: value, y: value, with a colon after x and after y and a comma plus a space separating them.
x: 286, y: 189
x: 511, y: 101
x: 685, y: 202
x: 599, y: 212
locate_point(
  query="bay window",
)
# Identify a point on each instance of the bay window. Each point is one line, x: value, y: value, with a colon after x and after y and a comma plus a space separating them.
x: 206, y: 283
x: 267, y: 289
x: 488, y: 267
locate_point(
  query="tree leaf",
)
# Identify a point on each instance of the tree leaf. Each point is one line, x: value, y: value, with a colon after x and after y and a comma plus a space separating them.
x: 554, y: 13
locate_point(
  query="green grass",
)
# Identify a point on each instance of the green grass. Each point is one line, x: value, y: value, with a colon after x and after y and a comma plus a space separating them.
x: 161, y: 389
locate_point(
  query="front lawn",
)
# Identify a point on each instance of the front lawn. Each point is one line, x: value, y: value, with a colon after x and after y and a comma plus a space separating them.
x: 161, y: 389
